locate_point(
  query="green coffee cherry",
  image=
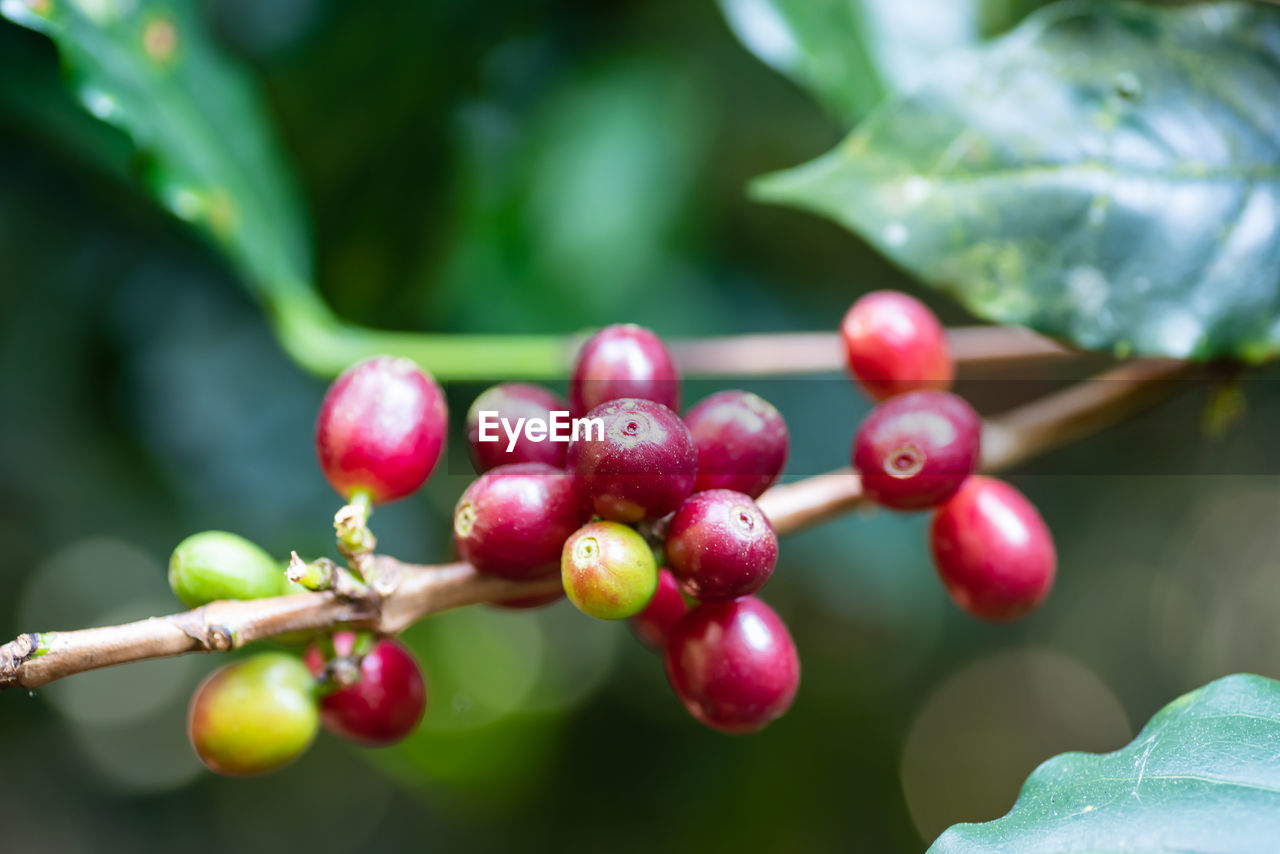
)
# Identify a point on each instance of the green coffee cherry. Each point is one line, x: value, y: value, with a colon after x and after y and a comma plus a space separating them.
x: 215, y: 565
x: 255, y: 715
x: 608, y: 571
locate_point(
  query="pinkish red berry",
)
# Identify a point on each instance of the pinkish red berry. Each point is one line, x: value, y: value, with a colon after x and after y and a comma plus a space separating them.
x: 642, y: 468
x: 384, y: 704
x: 513, y: 521
x: 742, y: 442
x: 893, y: 344
x: 381, y: 428
x: 654, y: 624
x: 914, y: 450
x: 993, y: 551
x: 514, y: 402
x: 720, y: 546
x: 733, y: 665
x: 623, y: 361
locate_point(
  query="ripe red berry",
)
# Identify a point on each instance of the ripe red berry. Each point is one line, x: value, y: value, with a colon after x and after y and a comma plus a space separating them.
x: 742, y: 442
x: 608, y: 571
x: 386, y: 701
x: 623, y: 361
x: 893, y: 343
x: 733, y: 665
x: 254, y: 715
x: 514, y: 401
x: 642, y: 468
x: 653, y: 625
x: 513, y: 521
x: 993, y: 550
x: 720, y: 546
x: 381, y: 427
x: 914, y: 450
x: 526, y: 603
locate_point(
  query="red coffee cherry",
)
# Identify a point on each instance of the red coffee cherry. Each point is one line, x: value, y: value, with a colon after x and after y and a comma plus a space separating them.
x: 893, y: 344
x: 653, y: 625
x: 642, y: 468
x: 254, y: 715
x: 513, y: 521
x: 514, y: 401
x: 385, y: 703
x: 742, y: 442
x: 608, y: 571
x: 914, y: 450
x: 623, y: 361
x: 993, y: 551
x: 381, y: 427
x: 733, y: 665
x: 720, y: 546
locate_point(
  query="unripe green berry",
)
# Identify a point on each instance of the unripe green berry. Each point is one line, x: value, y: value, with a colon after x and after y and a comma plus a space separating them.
x: 608, y: 571
x: 255, y: 715
x: 215, y: 565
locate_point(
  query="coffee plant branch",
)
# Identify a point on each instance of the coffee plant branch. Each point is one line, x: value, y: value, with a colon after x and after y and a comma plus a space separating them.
x: 404, y: 593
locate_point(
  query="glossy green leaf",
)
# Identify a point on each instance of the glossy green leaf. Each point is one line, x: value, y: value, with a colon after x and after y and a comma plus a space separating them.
x: 209, y: 155
x: 850, y: 53
x: 147, y: 67
x: 1203, y: 776
x: 1109, y: 174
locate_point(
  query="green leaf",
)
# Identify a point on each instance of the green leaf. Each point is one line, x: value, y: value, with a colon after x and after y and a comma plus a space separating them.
x: 1108, y: 173
x: 209, y: 155
x: 1202, y: 776
x: 850, y: 53
x: 147, y: 68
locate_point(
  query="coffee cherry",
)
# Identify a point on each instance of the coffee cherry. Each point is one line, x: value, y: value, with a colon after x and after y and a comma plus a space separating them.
x: 384, y: 704
x: 623, y: 361
x: 215, y: 565
x: 653, y: 625
x: 514, y: 401
x: 643, y: 467
x: 720, y: 546
x: 254, y: 716
x: 527, y: 603
x: 608, y: 571
x: 733, y: 665
x: 915, y: 449
x: 513, y: 521
x: 381, y: 427
x: 893, y: 344
x: 741, y: 440
x: 993, y: 551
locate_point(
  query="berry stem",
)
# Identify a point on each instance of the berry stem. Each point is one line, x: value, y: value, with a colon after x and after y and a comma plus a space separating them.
x: 405, y: 593
x: 326, y: 346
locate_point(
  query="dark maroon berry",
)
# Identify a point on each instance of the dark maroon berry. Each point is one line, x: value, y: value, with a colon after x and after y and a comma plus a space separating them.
x: 733, y: 665
x: 914, y: 450
x: 381, y: 427
x: 637, y: 461
x: 623, y: 361
x: 513, y: 521
x: 993, y: 550
x: 741, y: 440
x: 653, y: 625
x: 386, y: 701
x: 507, y: 410
x: 720, y: 546
x: 527, y: 603
x: 894, y: 344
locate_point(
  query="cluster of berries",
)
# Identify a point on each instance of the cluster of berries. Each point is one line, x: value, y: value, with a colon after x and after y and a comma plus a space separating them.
x: 919, y: 449
x: 644, y: 515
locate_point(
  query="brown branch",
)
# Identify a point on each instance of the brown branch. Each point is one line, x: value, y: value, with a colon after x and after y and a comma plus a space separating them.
x: 790, y: 353
x: 405, y: 593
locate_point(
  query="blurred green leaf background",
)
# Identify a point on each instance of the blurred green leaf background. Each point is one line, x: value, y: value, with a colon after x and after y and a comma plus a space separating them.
x: 538, y: 168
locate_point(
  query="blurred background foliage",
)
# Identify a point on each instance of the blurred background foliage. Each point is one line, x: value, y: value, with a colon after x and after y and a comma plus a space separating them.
x: 540, y: 168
